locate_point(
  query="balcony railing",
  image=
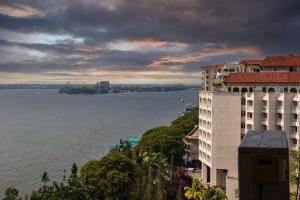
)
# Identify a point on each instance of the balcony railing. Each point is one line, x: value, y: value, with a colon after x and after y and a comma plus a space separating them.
x: 294, y: 135
x: 295, y: 110
x: 294, y: 122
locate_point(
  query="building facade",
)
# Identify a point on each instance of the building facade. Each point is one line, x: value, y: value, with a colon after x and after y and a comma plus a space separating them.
x: 259, y: 95
x: 103, y: 86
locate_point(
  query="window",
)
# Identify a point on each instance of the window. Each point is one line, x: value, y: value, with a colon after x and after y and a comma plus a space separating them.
x: 279, y: 103
x: 243, y: 101
x: 294, y: 129
x: 265, y: 103
x: 249, y: 126
x: 242, y: 136
x: 244, y: 90
x: 279, y: 128
x: 236, y: 89
x: 295, y: 103
x: 264, y: 115
x: 243, y: 113
x: 279, y: 116
x: 229, y: 89
x: 294, y: 141
x: 286, y: 89
x: 242, y: 125
x: 271, y: 90
x: 293, y: 90
x: 294, y: 116
x: 263, y: 127
x: 250, y: 102
x: 249, y: 115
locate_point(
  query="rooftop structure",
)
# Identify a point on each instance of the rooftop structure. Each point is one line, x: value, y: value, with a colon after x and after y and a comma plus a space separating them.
x: 281, y: 61
x: 264, y: 166
x: 283, y: 78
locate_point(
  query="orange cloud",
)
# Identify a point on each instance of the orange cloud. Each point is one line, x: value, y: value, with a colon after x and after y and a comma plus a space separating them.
x: 89, y: 49
x: 84, y: 60
x: 159, y: 43
x: 20, y: 11
x: 146, y: 44
x: 205, y: 54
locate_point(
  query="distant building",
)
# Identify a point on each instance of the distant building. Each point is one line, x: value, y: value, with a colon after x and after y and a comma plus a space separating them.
x: 103, y: 86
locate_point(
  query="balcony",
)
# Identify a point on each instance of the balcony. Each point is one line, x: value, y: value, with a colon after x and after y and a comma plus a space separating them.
x: 296, y: 97
x: 279, y: 109
x: 265, y: 109
x: 295, y: 110
x: 250, y: 108
x: 294, y: 135
x: 250, y: 96
x: 281, y: 97
x: 279, y: 122
x: 265, y: 122
x: 295, y: 122
x: 249, y: 121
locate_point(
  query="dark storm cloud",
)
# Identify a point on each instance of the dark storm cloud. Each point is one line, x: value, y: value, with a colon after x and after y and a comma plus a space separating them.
x: 271, y: 26
x: 268, y: 24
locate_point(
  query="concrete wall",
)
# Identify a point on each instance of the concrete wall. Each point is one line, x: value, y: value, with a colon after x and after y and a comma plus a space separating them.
x: 226, y: 133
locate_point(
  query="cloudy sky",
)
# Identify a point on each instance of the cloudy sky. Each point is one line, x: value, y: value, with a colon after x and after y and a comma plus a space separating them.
x: 138, y: 41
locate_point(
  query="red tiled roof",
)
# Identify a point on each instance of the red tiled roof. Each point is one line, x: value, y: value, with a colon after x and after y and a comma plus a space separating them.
x: 250, y: 62
x: 263, y: 78
x: 281, y: 61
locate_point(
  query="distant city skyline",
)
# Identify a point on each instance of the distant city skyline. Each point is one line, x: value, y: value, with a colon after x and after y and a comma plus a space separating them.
x: 145, y: 42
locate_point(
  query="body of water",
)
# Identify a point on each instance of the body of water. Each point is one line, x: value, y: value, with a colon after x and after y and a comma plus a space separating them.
x: 41, y: 130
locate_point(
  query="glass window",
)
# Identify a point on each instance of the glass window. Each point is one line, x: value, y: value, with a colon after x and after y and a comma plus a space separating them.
x: 243, y: 101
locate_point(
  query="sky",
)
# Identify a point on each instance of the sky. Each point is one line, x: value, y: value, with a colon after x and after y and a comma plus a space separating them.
x: 139, y: 41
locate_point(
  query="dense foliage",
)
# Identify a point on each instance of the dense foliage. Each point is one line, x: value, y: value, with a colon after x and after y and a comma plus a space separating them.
x: 294, y: 174
x: 169, y: 140
x: 199, y: 192
x: 149, y: 171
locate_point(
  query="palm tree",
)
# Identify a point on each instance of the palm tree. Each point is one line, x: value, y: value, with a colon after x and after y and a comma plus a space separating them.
x: 157, y: 177
x: 45, y: 178
x: 214, y: 193
x: 196, y: 192
x: 61, y: 192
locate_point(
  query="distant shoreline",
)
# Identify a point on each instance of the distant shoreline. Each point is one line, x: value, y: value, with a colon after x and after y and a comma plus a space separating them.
x: 124, y: 89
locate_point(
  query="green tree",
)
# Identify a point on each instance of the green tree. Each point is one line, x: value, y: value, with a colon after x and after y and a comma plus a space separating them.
x: 214, y: 193
x: 45, y: 178
x: 165, y: 140
x: 187, y: 122
x: 196, y: 192
x: 199, y: 192
x: 156, y: 181
x: 74, y: 170
x: 11, y: 194
x: 113, y: 176
x: 295, y: 172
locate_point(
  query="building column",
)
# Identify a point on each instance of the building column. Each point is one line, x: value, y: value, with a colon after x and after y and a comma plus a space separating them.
x: 204, y: 173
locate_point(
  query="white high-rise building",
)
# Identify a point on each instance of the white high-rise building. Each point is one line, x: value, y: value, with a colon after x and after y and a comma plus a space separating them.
x: 264, y: 96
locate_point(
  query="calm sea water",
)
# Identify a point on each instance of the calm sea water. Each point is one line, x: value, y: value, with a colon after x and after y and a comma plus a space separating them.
x: 41, y: 130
